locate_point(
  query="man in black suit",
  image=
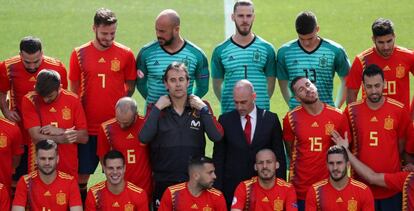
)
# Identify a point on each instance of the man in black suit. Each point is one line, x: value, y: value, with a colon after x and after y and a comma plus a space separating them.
x: 247, y: 129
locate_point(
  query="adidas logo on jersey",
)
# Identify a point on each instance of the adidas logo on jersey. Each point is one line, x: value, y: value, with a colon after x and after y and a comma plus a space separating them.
x: 265, y: 199
x: 194, y: 206
x: 374, y: 119
x: 101, y: 60
x: 47, y: 193
x: 386, y: 68
x: 52, y: 110
x: 116, y: 204
x: 130, y: 136
x: 315, y: 124
x: 32, y: 78
x: 156, y: 62
x: 339, y: 200
x: 231, y: 58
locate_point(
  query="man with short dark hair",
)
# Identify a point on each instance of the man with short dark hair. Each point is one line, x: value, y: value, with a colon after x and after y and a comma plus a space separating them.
x: 247, y: 129
x: 339, y: 192
x: 243, y: 56
x: 17, y: 78
x: 315, y: 58
x: 378, y: 126
x: 101, y: 70
x: 121, y: 133
x: 170, y: 47
x: 395, y: 61
x: 198, y: 193
x: 307, y: 134
x: 175, y: 128
x: 115, y: 192
x: 47, y: 188
x: 54, y: 113
x: 265, y: 192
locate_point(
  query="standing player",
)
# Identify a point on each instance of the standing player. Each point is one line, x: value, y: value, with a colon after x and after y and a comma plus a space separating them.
x: 115, y: 193
x: 265, y: 192
x: 154, y: 57
x: 314, y: 57
x: 339, y: 192
x: 378, y: 127
x: 196, y: 194
x: 121, y: 133
x: 307, y: 133
x: 395, y: 61
x: 51, y: 112
x: 47, y: 189
x: 101, y: 70
x: 18, y: 77
x: 243, y: 56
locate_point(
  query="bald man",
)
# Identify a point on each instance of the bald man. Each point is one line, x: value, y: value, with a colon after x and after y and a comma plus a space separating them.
x: 170, y: 47
x: 234, y: 157
x: 121, y: 134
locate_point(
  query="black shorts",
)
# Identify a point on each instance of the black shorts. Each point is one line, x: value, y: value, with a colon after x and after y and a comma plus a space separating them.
x: 22, y: 168
x: 87, y: 158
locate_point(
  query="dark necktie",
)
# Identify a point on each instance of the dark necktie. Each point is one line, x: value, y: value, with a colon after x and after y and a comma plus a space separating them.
x: 248, y: 129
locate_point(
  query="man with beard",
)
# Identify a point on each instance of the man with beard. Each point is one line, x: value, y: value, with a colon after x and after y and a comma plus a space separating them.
x: 175, y: 129
x: 339, y: 192
x: 243, y: 56
x: 18, y: 77
x: 170, y: 47
x: 46, y: 188
x: 378, y: 125
x: 265, y: 192
x: 396, y: 62
x: 316, y: 58
x: 101, y: 70
x: 197, y: 193
x: 115, y: 193
x: 121, y: 133
x: 307, y: 134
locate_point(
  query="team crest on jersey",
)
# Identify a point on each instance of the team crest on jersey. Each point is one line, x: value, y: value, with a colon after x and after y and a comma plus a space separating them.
x: 278, y: 205
x: 66, y: 113
x: 400, y: 71
x: 115, y: 65
x: 329, y: 127
x: 256, y: 56
x: 60, y: 198
x: 186, y: 61
x: 207, y: 208
x: 389, y: 123
x: 129, y: 207
x: 323, y: 61
x: 3, y: 141
x: 352, y: 205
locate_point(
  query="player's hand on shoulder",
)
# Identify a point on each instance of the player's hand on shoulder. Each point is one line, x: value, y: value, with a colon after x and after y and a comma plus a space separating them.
x: 163, y: 102
x: 196, y: 102
x: 12, y: 116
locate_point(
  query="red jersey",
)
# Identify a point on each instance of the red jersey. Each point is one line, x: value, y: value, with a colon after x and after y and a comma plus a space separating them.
x: 15, y: 78
x: 102, y: 76
x: 61, y: 194
x: 249, y: 195
x: 402, y: 181
x: 4, y: 198
x: 64, y: 112
x: 179, y: 198
x: 355, y: 196
x: 396, y: 69
x: 112, y: 136
x: 132, y: 198
x: 10, y: 145
x: 310, y: 138
x: 409, y: 145
x: 376, y: 135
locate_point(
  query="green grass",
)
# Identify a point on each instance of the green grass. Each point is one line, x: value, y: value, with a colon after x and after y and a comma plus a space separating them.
x: 63, y: 25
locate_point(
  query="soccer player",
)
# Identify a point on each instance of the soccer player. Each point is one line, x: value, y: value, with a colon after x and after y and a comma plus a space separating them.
x: 175, y: 128
x: 101, y: 70
x: 378, y: 125
x: 316, y: 58
x: 121, y: 133
x: 51, y: 112
x: 307, y: 134
x: 339, y: 192
x: 170, y: 47
x: 265, y: 192
x: 196, y: 194
x: 395, y: 61
x: 399, y: 181
x: 243, y: 56
x: 115, y: 193
x: 10, y: 151
x: 18, y: 77
x: 47, y: 189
